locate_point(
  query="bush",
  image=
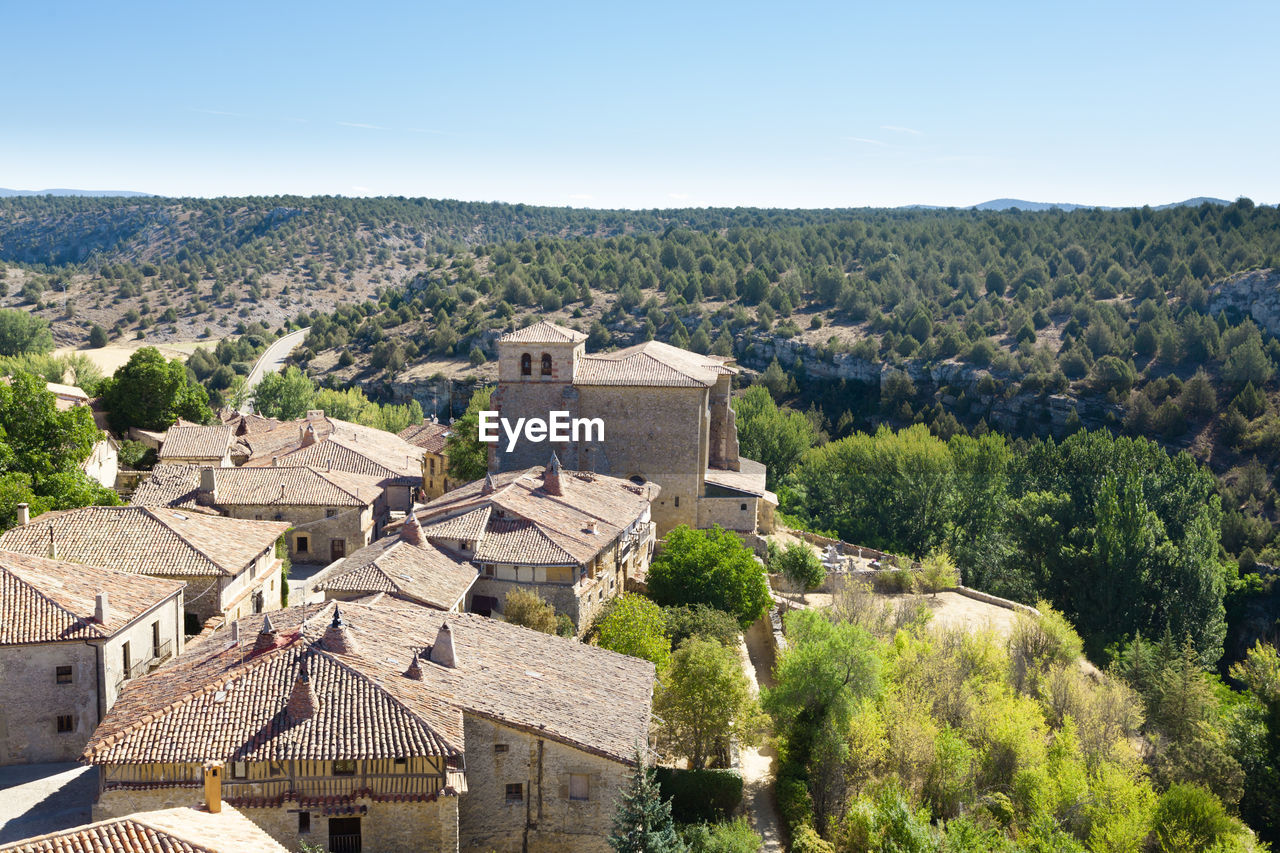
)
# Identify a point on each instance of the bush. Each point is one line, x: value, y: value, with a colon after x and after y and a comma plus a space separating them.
x: 97, y: 336
x: 525, y: 607
x: 895, y: 581
x: 700, y: 795
x: 702, y: 621
x: 1189, y: 818
x: 736, y: 836
x: 635, y: 626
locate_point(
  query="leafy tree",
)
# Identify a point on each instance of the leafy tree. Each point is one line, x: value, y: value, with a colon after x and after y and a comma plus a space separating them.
x: 642, y: 822
x: 152, y: 393
x: 938, y: 572
x: 710, y: 567
x: 23, y: 332
x: 528, y: 608
x: 468, y: 456
x: 1260, y: 805
x: 774, y: 436
x: 1248, y: 362
x: 636, y: 626
x: 701, y: 621
x: 800, y: 565
x: 286, y: 395
x: 97, y: 337
x: 703, y: 699
x: 776, y: 380
x: 1189, y: 819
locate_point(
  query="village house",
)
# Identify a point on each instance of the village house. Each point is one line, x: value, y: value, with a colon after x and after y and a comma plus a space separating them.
x: 196, y: 444
x: 431, y: 437
x: 331, y: 444
x: 405, y: 566
x: 573, y: 536
x: 666, y: 419
x: 229, y: 566
x: 385, y: 726
x: 330, y: 513
x: 181, y: 830
x: 70, y: 637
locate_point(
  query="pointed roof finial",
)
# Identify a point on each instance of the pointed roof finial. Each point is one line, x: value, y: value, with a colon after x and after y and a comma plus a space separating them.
x: 303, y: 703
x: 309, y: 435
x: 489, y: 486
x: 411, y: 530
x: 338, y: 636
x: 551, y: 477
x: 266, y: 636
x: 415, y: 668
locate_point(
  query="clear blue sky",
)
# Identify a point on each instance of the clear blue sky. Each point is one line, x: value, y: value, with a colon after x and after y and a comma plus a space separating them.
x: 649, y: 104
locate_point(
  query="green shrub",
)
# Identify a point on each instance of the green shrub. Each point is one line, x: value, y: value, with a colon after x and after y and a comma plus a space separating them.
x: 806, y: 840
x: 1190, y: 818
x: 736, y: 836
x: 895, y: 581
x: 686, y: 621
x: 700, y: 795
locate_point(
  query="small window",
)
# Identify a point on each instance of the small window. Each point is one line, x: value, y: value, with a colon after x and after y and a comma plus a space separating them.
x: 239, y: 770
x: 433, y: 466
x: 526, y: 365
x: 304, y: 823
x: 677, y: 500
x: 258, y: 517
x: 515, y: 792
x: 344, y: 768
x: 67, y: 723
x: 401, y: 762
x: 743, y: 507
x: 63, y: 674
x: 488, y: 569
x: 330, y: 513
x: 579, y: 787
x: 546, y: 364
x: 302, y: 543
x: 500, y: 748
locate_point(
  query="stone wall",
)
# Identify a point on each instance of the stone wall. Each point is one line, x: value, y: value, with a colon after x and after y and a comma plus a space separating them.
x: 33, y: 701
x: 544, y: 819
x: 736, y: 513
x: 355, y: 526
x: 142, y: 652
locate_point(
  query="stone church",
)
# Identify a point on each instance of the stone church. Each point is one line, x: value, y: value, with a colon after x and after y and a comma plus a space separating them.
x: 666, y: 416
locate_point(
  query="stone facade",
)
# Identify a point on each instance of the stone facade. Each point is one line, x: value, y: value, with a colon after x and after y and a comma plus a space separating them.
x: 256, y: 589
x: 665, y: 431
x: 320, y: 534
x: 554, y: 810
x: 34, y: 700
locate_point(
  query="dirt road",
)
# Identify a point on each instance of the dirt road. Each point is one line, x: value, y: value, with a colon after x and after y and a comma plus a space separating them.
x: 758, y: 794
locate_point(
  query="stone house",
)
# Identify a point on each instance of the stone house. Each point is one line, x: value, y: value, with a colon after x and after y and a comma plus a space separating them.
x: 229, y: 566
x: 573, y: 536
x: 196, y: 444
x: 182, y: 830
x: 328, y: 443
x: 431, y: 437
x: 386, y: 726
x: 666, y: 419
x: 330, y: 513
x: 406, y: 566
x: 70, y: 637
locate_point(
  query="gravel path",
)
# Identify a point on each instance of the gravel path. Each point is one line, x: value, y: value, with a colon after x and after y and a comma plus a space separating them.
x: 758, y: 794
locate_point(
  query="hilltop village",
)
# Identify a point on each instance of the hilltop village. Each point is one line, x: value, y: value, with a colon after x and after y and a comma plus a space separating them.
x: 307, y: 632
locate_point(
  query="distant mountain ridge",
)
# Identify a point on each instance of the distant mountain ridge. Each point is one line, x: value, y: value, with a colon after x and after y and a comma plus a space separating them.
x: 1022, y: 204
x: 8, y: 193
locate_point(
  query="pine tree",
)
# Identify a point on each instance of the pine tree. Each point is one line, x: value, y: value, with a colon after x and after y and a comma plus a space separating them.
x: 643, y: 822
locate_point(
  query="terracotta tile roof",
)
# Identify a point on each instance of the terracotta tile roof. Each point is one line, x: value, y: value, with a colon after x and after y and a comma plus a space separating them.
x: 180, y: 830
x: 45, y: 601
x: 651, y: 363
x: 194, y: 441
x: 421, y: 572
x: 519, y: 522
x: 222, y: 700
x: 369, y: 704
x: 147, y: 540
x: 346, y: 447
x: 428, y: 435
x: 543, y: 332
x: 179, y: 486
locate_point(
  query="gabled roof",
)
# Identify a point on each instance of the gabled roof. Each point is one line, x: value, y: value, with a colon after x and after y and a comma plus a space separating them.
x: 428, y: 435
x: 520, y: 522
x: 221, y: 700
x: 179, y: 830
x: 46, y: 601
x: 196, y: 441
x: 651, y: 363
x: 344, y: 446
x: 423, y: 573
x: 179, y: 486
x: 147, y: 540
x: 543, y: 332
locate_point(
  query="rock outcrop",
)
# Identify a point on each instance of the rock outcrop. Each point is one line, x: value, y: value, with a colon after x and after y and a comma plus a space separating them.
x: 1253, y: 294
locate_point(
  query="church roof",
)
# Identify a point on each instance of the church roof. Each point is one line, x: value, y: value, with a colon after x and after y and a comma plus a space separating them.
x: 543, y: 332
x: 650, y: 363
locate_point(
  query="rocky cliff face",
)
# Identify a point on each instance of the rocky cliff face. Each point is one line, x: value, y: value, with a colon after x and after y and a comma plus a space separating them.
x: 1253, y: 294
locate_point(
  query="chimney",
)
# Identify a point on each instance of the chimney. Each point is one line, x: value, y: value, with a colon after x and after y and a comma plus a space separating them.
x: 208, y: 485
x: 442, y: 652
x: 411, y: 530
x: 235, y: 632
x: 24, y: 514
x: 415, y: 668
x: 213, y: 786
x: 489, y: 487
x: 282, y: 490
x: 266, y: 636
x: 551, y: 477
x: 338, y: 637
x: 593, y: 528
x: 101, y: 608
x: 53, y: 546
x: 302, y: 704
x: 275, y: 461
x: 309, y: 436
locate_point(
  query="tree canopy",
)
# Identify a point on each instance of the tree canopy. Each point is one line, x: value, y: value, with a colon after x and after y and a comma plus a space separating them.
x: 151, y: 392
x: 710, y: 567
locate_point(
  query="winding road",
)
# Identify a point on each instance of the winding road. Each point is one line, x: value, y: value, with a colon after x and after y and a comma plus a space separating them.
x: 269, y: 362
